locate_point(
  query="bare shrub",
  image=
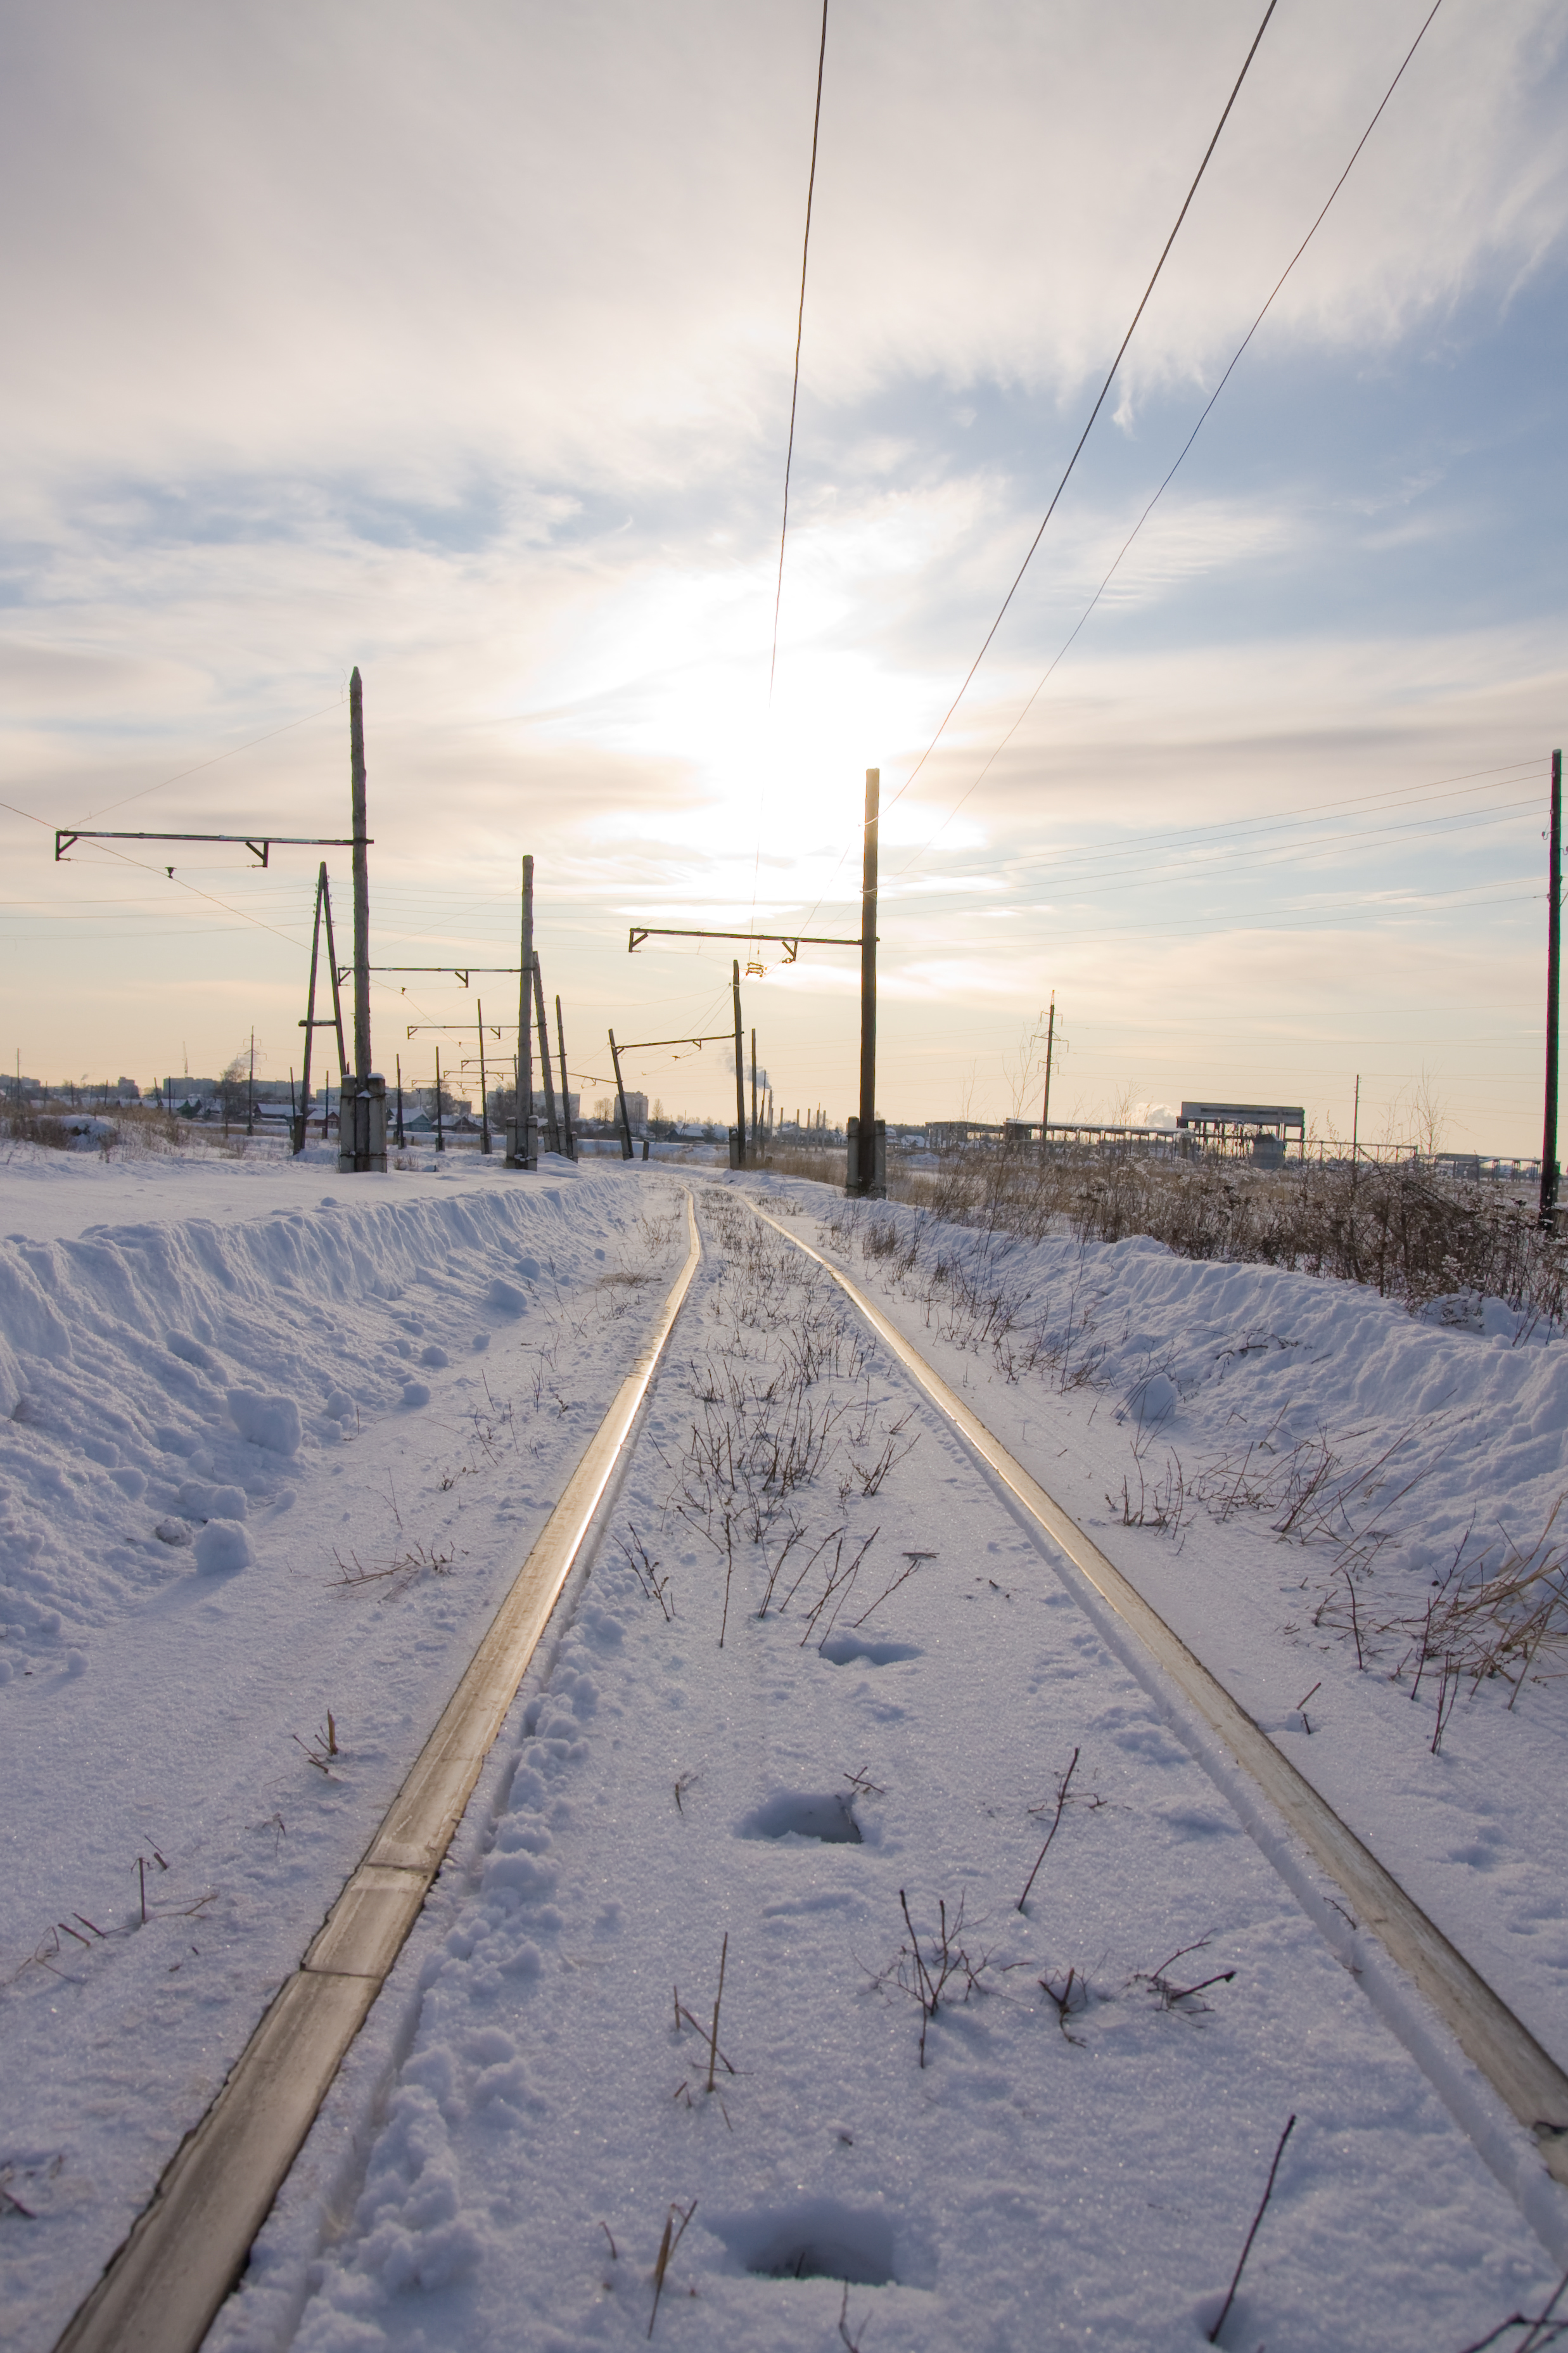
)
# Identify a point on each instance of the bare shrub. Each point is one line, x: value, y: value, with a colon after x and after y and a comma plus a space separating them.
x: 1404, y: 1231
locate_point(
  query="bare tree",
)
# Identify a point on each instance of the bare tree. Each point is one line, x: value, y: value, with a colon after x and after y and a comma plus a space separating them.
x: 1428, y: 1114
x: 1023, y: 1069
x: 1129, y: 1101
x: 232, y: 1086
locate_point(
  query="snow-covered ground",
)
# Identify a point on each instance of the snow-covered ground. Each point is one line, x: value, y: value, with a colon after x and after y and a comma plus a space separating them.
x: 244, y: 1388
x: 1300, y: 1440
x: 1078, y: 2157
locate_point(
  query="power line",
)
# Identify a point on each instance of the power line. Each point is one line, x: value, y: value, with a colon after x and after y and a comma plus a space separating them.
x: 799, y: 331
x: 1093, y: 413
x: 1233, y: 858
x: 233, y: 754
x: 1089, y: 860
x: 1165, y: 485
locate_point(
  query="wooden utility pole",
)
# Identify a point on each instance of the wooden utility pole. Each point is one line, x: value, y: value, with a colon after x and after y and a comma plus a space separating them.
x: 754, y: 1091
x: 440, y: 1133
x: 620, y: 1100
x: 400, y: 1103
x: 250, y: 1092
x: 484, y: 1095
x: 864, y: 1180
x: 362, y: 1066
x: 1553, y: 947
x: 568, y: 1141
x: 332, y: 1021
x: 527, y: 1142
x: 1050, y: 1042
x: 1355, y: 1128
x: 740, y: 1066
x: 552, y: 1131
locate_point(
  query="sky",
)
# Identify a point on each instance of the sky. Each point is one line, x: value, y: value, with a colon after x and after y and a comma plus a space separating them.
x: 458, y: 344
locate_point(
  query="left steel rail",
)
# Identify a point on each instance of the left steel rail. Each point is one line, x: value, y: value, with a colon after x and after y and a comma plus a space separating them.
x: 189, y: 2245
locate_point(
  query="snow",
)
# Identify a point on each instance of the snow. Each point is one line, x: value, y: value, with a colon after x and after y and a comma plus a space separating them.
x: 182, y: 1603
x: 222, y: 1547
x: 270, y: 1421
x: 1078, y: 2159
x: 1451, y: 1440
x: 703, y: 1765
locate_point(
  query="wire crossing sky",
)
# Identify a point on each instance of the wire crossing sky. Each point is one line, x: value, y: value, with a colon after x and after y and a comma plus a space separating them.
x: 799, y: 331
x: 1125, y: 548
x: 457, y: 344
x: 1111, y: 374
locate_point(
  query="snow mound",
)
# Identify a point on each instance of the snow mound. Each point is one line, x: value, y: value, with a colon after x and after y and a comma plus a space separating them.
x: 1151, y: 1401
x: 507, y: 1297
x: 162, y: 1369
x: 270, y: 1422
x: 199, y: 1500
x: 222, y: 1547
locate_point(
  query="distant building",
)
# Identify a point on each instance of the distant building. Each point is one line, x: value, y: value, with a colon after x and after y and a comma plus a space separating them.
x: 1261, y: 1131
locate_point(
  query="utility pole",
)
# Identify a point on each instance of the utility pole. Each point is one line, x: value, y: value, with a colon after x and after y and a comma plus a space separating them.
x: 527, y: 1150
x: 334, y: 1020
x: 568, y: 1141
x: 362, y: 1067
x: 440, y: 1134
x: 1355, y: 1128
x: 1554, y: 944
x: 620, y: 1100
x: 552, y: 1130
x: 484, y: 1098
x: 1046, y: 1106
x: 754, y: 1091
x: 862, y: 1176
x: 400, y: 1103
x: 250, y: 1090
x: 740, y: 1067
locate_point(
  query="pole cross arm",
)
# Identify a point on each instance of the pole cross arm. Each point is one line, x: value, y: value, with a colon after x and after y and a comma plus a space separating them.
x: 643, y: 1045
x: 466, y: 1028
x: 457, y: 971
x: 258, y: 844
x: 791, y: 942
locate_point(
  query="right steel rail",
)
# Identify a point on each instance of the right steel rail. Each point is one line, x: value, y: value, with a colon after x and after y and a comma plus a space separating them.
x: 1527, y: 2078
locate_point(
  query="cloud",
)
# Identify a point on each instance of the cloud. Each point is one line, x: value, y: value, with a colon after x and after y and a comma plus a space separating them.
x: 456, y: 342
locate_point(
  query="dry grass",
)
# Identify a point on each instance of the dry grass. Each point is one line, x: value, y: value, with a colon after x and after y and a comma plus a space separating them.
x: 1500, y: 1612
x: 1502, y: 1609
x: 141, y: 1130
x: 1406, y: 1234
x: 818, y: 1163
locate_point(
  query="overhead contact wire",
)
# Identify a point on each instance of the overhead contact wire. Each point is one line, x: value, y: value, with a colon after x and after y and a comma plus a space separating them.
x: 1094, y: 412
x: 1187, y: 446
x: 799, y: 333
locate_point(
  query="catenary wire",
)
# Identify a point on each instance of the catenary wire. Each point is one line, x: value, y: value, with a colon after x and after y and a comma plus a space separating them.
x: 233, y: 754
x: 1187, y: 446
x: 799, y: 333
x: 1250, y: 830
x: 1094, y: 412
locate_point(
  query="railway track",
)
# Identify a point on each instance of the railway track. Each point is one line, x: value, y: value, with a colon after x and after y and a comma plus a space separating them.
x: 1524, y: 2076
x: 169, y: 2278
x: 187, y: 2248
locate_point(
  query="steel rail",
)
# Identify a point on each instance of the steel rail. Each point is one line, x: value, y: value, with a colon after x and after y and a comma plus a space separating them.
x: 1525, y: 2076
x: 189, y: 2245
